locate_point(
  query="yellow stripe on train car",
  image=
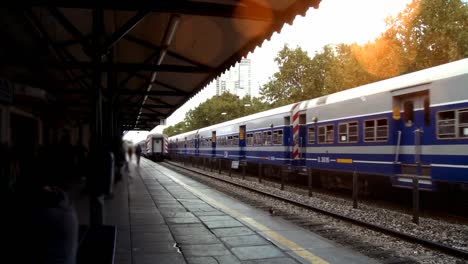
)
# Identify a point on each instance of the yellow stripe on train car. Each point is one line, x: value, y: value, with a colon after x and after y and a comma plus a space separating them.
x: 348, y: 161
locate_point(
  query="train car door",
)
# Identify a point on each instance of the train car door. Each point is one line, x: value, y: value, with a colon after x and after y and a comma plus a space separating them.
x: 242, y: 142
x: 415, y: 119
x: 213, y: 144
x: 197, y: 144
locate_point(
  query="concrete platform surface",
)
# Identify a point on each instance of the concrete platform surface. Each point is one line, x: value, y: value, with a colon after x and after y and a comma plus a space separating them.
x: 165, y: 217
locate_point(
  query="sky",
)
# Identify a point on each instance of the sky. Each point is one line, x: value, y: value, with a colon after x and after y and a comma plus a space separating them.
x: 334, y: 22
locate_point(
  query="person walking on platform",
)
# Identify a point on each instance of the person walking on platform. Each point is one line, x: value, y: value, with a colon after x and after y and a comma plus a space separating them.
x: 130, y: 153
x: 138, y: 151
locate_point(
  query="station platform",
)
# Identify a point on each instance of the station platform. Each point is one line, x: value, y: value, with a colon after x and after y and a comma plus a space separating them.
x: 165, y: 217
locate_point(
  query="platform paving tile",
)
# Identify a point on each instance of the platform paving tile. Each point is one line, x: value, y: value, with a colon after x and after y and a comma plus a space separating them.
x: 182, y: 230
x: 166, y: 202
x: 167, y: 210
x: 210, y: 212
x: 205, y: 250
x: 150, y: 228
x: 228, y: 259
x: 197, y: 239
x: 178, y: 214
x: 162, y: 197
x: 257, y: 252
x: 151, y: 237
x: 148, y: 221
x: 222, y: 224
x: 209, y: 218
x: 232, y: 231
x: 143, y: 241
x: 157, y: 247
x: 199, y: 208
x: 182, y: 220
x: 271, y: 261
x: 249, y: 240
x: 161, y: 258
x: 171, y: 206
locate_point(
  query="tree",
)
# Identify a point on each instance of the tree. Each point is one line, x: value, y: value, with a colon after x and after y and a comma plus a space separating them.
x: 216, y: 110
x: 431, y: 32
x: 293, y: 82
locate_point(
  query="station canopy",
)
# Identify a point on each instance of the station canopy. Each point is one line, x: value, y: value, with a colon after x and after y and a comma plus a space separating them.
x: 146, y: 57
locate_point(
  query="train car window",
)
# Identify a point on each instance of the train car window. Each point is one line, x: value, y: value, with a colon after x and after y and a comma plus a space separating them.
x: 446, y: 124
x: 382, y: 130
x: 427, y: 112
x: 235, y: 141
x: 463, y: 123
x: 267, y: 138
x: 343, y: 133
x: 258, y: 138
x: 321, y: 134
x: 326, y: 134
x: 348, y: 132
x: 249, y: 139
x: 369, y: 130
x: 409, y: 113
x: 330, y: 134
x: 278, y: 137
x: 353, y: 132
x: 311, y: 135
x: 376, y: 130
x: 229, y: 141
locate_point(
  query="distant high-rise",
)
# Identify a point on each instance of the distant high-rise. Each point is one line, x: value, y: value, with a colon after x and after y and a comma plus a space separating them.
x: 236, y: 81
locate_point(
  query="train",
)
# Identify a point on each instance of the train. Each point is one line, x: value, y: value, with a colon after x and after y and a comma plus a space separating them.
x: 411, y: 126
x: 156, y: 146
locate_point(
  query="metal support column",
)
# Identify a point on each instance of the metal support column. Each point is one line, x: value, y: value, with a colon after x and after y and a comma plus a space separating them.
x: 97, y: 183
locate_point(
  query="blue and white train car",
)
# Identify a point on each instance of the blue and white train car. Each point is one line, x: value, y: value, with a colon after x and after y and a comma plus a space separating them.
x: 414, y: 124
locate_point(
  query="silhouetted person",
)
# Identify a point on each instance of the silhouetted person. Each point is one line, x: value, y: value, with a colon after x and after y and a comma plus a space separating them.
x: 119, y: 158
x: 42, y: 226
x: 130, y: 153
x: 138, y: 152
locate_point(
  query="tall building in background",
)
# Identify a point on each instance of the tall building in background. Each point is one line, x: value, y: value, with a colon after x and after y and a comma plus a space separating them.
x: 237, y: 80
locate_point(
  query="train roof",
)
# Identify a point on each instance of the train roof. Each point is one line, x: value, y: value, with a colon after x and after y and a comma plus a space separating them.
x: 240, y: 120
x: 155, y: 135
x: 407, y: 80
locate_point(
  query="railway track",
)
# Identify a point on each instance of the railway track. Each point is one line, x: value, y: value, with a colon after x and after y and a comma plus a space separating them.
x: 319, y: 227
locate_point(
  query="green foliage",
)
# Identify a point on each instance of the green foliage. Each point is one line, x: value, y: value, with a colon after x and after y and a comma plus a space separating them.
x: 426, y: 34
x: 175, y: 129
x: 211, y: 112
x: 431, y: 32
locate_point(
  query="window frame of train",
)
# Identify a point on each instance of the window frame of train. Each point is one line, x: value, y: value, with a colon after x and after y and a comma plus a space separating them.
x: 346, y: 133
x: 375, y: 127
x: 250, y: 139
x: 311, y: 135
x: 327, y: 128
x: 235, y: 140
x: 455, y: 123
x: 277, y: 134
x: 267, y: 137
x: 258, y: 138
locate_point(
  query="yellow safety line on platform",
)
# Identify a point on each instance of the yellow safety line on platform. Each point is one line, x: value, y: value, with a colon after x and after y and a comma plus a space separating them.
x: 304, y: 253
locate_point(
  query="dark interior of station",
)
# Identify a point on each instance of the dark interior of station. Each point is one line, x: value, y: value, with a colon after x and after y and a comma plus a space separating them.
x: 76, y: 74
